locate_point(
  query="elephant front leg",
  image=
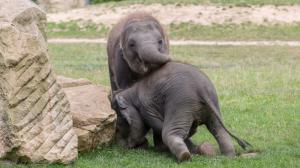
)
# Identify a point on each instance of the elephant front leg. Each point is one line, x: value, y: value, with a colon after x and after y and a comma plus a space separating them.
x: 222, y: 137
x: 156, y: 124
x: 158, y: 142
x: 143, y: 144
x: 193, y: 148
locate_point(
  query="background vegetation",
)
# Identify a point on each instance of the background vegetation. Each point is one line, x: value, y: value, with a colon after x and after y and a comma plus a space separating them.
x: 187, y: 31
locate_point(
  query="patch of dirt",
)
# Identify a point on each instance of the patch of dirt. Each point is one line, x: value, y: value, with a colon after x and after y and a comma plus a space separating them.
x: 249, y: 155
x: 199, y: 14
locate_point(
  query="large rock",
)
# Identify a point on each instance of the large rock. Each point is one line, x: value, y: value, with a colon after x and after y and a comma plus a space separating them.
x: 35, y: 120
x: 94, y: 121
x: 61, y: 5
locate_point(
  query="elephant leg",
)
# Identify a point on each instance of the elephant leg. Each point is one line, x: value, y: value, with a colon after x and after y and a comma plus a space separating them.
x: 177, y: 147
x: 175, y: 130
x: 158, y: 142
x: 143, y: 145
x: 193, y: 148
x: 222, y: 137
x: 156, y: 124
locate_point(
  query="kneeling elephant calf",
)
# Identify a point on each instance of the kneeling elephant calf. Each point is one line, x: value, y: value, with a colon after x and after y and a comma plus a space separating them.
x: 173, y: 101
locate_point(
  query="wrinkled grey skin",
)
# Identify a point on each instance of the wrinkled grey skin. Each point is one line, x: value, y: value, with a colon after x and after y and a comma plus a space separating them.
x: 136, y: 46
x: 173, y: 101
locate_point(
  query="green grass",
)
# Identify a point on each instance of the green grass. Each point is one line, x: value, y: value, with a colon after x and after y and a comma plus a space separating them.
x: 75, y: 30
x: 234, y: 32
x: 259, y: 92
x: 220, y: 2
x: 82, y: 60
x: 187, y: 31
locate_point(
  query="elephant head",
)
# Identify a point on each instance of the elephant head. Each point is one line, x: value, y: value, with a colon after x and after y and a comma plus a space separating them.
x: 144, y: 46
x: 129, y: 119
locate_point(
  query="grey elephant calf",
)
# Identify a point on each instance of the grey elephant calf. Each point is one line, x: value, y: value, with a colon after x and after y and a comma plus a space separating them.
x: 173, y: 101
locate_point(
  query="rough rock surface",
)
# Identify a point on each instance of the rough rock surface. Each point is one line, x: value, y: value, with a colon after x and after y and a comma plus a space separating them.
x: 35, y: 120
x: 60, y: 5
x: 94, y: 121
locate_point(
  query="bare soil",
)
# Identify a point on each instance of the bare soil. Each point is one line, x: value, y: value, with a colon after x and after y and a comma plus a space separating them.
x: 199, y: 14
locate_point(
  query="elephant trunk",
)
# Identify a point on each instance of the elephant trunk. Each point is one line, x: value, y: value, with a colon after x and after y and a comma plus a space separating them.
x: 151, y: 55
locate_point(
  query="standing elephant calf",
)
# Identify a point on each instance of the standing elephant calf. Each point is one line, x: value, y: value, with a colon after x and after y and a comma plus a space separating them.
x: 173, y: 101
x: 136, y: 46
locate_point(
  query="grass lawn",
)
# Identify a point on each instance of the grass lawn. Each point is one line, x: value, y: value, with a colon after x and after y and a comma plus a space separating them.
x: 187, y: 31
x: 259, y: 92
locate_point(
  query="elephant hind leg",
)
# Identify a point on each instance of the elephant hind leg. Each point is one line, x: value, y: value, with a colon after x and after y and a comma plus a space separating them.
x: 174, y: 133
x: 222, y: 137
x: 177, y: 147
x: 193, y: 148
x: 205, y: 148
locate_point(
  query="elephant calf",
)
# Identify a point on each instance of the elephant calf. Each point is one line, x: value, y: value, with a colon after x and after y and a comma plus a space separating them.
x: 136, y: 46
x: 173, y: 101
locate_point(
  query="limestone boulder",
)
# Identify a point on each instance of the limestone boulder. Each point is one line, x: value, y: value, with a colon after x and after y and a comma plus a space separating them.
x: 94, y: 121
x: 35, y: 120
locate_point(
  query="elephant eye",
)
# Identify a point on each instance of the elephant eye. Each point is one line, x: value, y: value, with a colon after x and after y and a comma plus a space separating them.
x: 160, y: 42
x: 131, y: 44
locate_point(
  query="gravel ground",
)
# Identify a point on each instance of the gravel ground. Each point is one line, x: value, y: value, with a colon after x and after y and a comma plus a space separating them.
x: 199, y: 14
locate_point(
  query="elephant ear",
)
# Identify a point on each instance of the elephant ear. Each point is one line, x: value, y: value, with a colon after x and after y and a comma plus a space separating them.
x: 126, y: 116
x: 113, y: 100
x: 125, y: 109
x: 121, y: 102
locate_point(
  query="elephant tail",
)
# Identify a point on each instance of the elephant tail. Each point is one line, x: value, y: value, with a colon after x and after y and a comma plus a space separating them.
x: 243, y: 143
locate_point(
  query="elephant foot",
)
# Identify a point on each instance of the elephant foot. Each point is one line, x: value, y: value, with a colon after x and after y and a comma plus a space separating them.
x: 206, y: 149
x: 162, y: 148
x: 144, y: 145
x: 184, y: 156
x: 178, y: 148
x: 229, y: 153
